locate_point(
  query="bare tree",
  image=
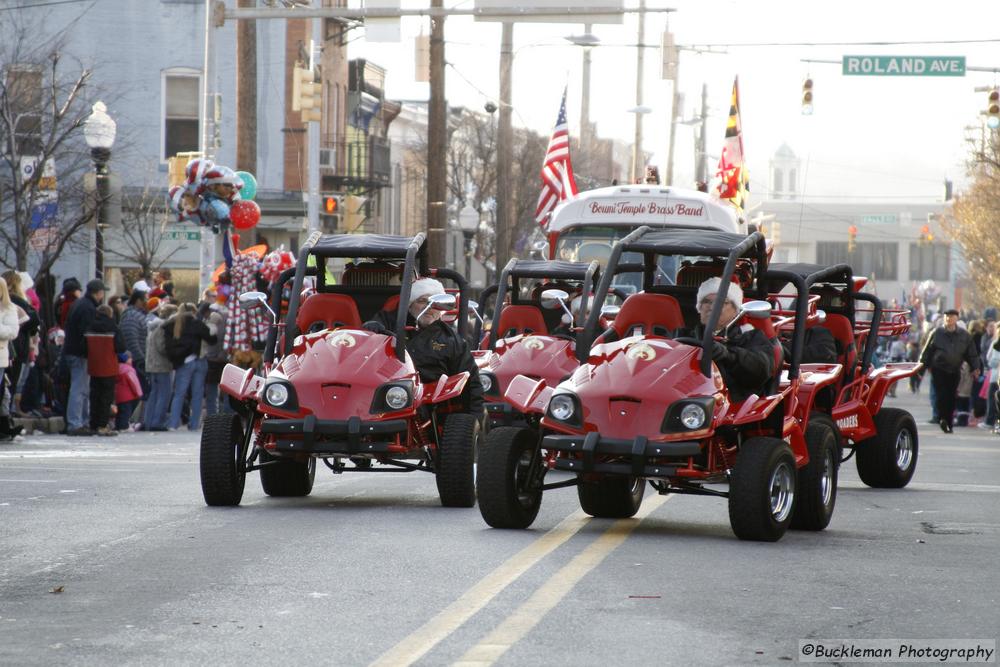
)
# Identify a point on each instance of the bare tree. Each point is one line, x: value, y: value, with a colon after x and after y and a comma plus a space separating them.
x: 140, y: 240
x: 43, y: 107
x: 974, y: 218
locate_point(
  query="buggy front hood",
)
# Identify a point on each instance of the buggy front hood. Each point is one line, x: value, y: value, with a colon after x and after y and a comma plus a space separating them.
x: 335, y: 373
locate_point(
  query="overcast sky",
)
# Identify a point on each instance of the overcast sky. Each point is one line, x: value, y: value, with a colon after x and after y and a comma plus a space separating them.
x: 869, y: 137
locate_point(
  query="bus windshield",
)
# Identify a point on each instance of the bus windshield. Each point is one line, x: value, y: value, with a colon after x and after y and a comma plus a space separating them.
x: 592, y: 242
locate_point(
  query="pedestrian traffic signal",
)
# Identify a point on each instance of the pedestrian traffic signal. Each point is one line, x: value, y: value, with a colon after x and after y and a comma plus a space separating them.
x: 852, y: 238
x: 307, y: 94
x: 331, y: 210
x: 807, y: 97
x: 926, y: 235
x: 330, y: 204
x: 993, y: 109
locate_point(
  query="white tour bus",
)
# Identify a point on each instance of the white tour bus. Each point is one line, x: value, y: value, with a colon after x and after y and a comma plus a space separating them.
x: 585, y: 227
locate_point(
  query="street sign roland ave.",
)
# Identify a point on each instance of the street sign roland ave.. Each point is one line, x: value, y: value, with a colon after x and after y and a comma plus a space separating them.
x: 903, y: 66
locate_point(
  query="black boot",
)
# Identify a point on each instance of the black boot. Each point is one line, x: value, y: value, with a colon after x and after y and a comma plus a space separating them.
x: 7, y: 429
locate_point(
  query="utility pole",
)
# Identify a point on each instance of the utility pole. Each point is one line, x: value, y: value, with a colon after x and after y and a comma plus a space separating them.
x: 505, y: 143
x: 246, y: 93
x: 312, y: 135
x: 437, y: 145
x: 637, y: 168
x: 207, y: 254
x: 700, y: 168
x: 585, y: 99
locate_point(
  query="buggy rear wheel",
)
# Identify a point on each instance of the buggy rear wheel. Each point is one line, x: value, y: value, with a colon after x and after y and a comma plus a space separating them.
x: 509, y: 477
x: 888, y: 459
x: 816, y: 488
x: 611, y: 497
x: 222, y: 464
x: 456, y: 456
x: 286, y: 478
x: 762, y: 490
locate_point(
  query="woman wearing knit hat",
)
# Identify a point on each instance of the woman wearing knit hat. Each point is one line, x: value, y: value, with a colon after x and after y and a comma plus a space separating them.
x: 436, y: 348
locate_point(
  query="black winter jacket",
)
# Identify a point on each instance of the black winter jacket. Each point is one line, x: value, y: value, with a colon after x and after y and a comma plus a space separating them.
x: 436, y: 350
x: 745, y: 359
x: 81, y: 317
x: 194, y: 332
x: 820, y: 347
x: 946, y: 350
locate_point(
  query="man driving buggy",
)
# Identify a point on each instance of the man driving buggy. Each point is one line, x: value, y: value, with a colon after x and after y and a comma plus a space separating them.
x: 744, y: 355
x: 435, y: 347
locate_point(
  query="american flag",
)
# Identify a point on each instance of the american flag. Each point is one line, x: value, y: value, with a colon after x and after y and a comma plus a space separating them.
x: 558, y: 183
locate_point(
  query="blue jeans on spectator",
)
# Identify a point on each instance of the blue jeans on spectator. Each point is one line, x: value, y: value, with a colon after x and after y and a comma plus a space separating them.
x: 78, y: 407
x: 211, y: 399
x: 125, y: 411
x: 189, y: 377
x: 158, y: 401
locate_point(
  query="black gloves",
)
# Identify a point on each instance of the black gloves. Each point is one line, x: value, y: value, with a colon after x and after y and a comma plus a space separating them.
x: 720, y: 352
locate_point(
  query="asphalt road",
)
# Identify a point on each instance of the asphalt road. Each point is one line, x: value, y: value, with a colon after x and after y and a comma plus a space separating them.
x: 109, y: 556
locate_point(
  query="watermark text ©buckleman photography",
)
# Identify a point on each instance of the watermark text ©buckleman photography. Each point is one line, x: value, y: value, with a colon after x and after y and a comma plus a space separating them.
x: 898, y: 650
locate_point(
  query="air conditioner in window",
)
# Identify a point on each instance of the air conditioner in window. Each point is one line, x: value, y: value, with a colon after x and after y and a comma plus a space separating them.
x: 327, y: 157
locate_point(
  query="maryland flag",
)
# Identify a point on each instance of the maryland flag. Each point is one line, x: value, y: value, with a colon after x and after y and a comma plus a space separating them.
x: 734, y: 184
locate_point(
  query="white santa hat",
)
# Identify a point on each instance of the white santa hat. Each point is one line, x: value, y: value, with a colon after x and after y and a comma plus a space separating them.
x: 711, y: 286
x: 425, y: 287
x: 26, y: 282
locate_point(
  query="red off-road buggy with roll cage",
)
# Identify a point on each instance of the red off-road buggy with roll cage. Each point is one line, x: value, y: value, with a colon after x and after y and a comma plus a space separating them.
x: 528, y: 335
x: 651, y: 407
x: 883, y: 439
x: 335, y: 392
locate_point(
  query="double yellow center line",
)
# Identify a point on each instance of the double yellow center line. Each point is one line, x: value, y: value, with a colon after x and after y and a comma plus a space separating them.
x: 525, y: 617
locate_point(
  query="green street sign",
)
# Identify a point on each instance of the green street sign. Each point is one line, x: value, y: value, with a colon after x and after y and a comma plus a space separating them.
x: 889, y: 218
x: 182, y: 236
x: 903, y: 66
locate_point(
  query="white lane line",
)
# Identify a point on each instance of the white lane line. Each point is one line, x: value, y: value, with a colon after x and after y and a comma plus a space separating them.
x: 960, y: 448
x: 930, y: 486
x: 528, y: 615
x: 424, y: 638
x: 31, y: 481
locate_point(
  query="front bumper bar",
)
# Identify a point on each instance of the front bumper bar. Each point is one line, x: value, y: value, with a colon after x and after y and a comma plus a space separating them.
x: 637, y: 453
x: 335, y: 436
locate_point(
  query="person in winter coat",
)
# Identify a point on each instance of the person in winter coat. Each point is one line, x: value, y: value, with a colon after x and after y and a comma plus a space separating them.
x: 128, y: 391
x: 946, y: 349
x: 436, y: 348
x: 81, y: 317
x: 159, y: 370
x: 185, y: 335
x: 71, y: 291
x: 745, y: 357
x: 134, y: 330
x: 22, y: 345
x: 8, y: 332
x: 104, y: 344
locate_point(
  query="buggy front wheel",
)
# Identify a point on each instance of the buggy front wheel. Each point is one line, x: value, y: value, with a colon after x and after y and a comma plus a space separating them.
x: 509, y: 478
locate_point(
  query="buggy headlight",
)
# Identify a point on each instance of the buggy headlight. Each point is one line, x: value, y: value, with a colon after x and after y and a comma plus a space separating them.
x: 490, y: 384
x: 276, y: 394
x: 693, y: 416
x: 562, y: 407
x: 397, y: 397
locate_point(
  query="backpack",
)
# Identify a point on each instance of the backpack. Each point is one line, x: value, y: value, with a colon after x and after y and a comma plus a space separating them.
x: 176, y: 348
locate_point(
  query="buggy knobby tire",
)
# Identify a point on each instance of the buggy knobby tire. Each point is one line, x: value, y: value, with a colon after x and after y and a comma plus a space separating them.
x: 888, y: 459
x: 222, y: 465
x: 508, y: 479
x: 456, y: 481
x: 284, y: 478
x: 762, y: 490
x: 816, y: 488
x: 611, y: 497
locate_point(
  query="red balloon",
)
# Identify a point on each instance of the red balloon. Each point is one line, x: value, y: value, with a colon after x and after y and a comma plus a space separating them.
x: 244, y: 214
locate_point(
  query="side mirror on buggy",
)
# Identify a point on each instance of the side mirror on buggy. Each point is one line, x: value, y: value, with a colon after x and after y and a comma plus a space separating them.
x: 758, y: 310
x: 474, y: 310
x: 554, y: 298
x: 610, y: 312
x: 442, y: 302
x: 251, y: 300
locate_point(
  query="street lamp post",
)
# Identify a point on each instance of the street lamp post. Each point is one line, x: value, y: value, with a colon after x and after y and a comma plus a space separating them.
x: 468, y: 222
x: 99, y: 132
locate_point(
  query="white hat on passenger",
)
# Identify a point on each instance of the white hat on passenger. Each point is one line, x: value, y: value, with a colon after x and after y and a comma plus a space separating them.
x: 141, y: 286
x: 425, y: 287
x: 711, y: 286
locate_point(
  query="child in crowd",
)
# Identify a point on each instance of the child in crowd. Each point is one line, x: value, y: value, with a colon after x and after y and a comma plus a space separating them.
x: 128, y: 391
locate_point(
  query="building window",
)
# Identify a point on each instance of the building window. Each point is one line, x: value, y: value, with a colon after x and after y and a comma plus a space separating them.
x: 777, y: 182
x: 24, y: 90
x: 868, y: 259
x: 930, y: 261
x: 181, y: 126
x: 791, y: 181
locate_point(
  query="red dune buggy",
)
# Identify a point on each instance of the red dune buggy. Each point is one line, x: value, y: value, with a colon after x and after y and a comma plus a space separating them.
x: 651, y: 407
x: 529, y: 335
x: 334, y: 392
x: 883, y: 439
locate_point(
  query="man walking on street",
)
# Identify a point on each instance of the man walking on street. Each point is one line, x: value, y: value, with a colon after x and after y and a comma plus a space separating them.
x: 946, y: 349
x: 79, y: 320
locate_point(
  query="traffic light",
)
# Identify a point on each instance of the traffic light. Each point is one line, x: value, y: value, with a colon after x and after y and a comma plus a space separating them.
x: 807, y: 97
x: 993, y: 109
x: 307, y: 94
x: 852, y: 238
x: 331, y: 210
x: 926, y: 235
